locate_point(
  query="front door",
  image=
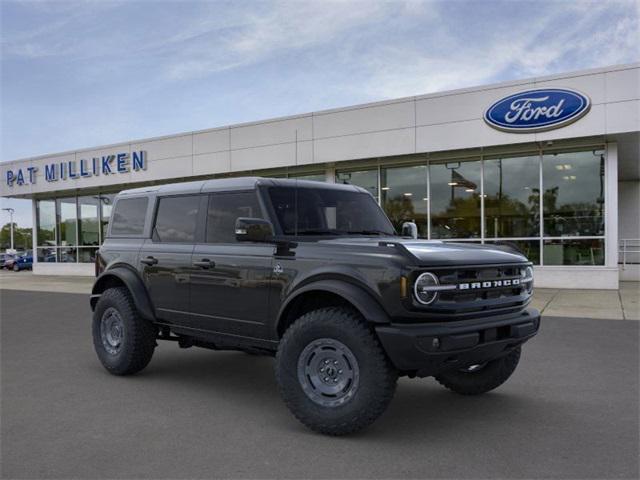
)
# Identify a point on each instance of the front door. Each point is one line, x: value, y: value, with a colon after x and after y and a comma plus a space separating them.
x: 166, y: 257
x: 230, y: 281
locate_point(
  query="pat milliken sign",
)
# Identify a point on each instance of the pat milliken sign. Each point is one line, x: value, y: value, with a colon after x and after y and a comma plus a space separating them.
x: 117, y: 163
x: 537, y: 110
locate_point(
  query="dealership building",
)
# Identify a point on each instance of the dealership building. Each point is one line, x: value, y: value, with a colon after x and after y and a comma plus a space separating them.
x: 550, y: 165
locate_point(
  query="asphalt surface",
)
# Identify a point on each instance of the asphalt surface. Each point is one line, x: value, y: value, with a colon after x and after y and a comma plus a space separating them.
x: 569, y: 411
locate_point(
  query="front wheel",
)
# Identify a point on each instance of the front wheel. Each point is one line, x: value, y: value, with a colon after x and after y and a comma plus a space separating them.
x: 332, y: 373
x: 16, y: 268
x: 124, y: 342
x: 482, y: 378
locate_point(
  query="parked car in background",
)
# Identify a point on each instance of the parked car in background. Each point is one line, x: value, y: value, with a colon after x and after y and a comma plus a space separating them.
x: 7, y: 259
x: 23, y: 262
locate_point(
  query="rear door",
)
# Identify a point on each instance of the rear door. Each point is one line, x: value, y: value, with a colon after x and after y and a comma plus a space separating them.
x: 230, y: 279
x: 166, y: 257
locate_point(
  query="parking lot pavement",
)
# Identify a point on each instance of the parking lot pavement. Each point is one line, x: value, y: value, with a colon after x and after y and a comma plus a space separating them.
x: 569, y: 411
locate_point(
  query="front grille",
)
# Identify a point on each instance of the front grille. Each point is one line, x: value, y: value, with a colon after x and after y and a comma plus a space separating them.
x: 481, y: 296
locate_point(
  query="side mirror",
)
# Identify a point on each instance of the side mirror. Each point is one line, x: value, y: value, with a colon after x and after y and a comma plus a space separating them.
x: 409, y: 229
x: 253, y: 230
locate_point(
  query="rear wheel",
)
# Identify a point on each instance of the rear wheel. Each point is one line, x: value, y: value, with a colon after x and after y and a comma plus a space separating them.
x: 124, y: 342
x: 481, y: 378
x: 332, y: 372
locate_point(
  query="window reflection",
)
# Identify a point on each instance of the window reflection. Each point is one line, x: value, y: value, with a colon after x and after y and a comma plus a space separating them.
x: 512, y: 197
x: 46, y: 222
x: 574, y: 252
x: 367, y: 179
x: 404, y: 196
x: 88, y: 220
x: 67, y: 221
x: 455, y: 200
x: 573, y: 198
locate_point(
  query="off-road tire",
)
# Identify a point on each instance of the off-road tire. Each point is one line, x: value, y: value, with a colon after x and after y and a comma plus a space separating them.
x: 489, y: 377
x: 138, y: 339
x: 377, y: 377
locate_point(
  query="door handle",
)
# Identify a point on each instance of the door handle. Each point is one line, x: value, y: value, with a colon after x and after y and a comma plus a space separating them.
x: 149, y: 260
x: 204, y: 263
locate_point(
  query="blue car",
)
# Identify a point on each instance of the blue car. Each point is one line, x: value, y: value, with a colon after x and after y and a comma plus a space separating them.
x: 23, y: 262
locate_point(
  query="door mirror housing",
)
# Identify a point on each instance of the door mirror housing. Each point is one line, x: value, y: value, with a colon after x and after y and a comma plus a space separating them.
x: 409, y: 229
x: 253, y: 230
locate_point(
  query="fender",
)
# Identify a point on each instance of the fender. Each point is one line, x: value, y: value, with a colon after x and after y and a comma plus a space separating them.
x: 133, y: 282
x: 363, y: 301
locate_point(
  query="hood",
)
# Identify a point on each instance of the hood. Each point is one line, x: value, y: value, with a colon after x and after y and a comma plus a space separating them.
x: 438, y: 253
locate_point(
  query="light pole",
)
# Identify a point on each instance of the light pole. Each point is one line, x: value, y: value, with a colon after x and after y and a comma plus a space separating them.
x: 11, y: 212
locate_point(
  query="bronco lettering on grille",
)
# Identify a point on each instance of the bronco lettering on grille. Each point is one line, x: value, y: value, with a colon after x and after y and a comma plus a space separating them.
x: 509, y: 282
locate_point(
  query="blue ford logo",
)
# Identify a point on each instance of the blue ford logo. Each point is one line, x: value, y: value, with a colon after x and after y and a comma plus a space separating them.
x: 537, y: 110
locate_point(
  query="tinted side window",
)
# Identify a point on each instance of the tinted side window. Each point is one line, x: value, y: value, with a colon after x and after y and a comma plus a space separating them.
x: 224, y: 209
x: 176, y: 219
x: 128, y: 217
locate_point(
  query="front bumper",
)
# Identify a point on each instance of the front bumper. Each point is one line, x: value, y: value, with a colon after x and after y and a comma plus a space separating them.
x: 430, y: 348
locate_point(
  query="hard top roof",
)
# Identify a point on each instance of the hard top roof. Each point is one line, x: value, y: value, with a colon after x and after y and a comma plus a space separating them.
x: 231, y: 184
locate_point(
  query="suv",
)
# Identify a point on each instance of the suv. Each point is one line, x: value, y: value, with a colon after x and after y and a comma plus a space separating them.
x: 315, y: 275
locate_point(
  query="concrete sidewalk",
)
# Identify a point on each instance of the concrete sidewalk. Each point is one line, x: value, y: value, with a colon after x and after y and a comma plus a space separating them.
x: 620, y: 304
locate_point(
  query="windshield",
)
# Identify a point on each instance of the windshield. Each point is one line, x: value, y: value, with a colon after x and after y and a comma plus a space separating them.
x: 326, y: 211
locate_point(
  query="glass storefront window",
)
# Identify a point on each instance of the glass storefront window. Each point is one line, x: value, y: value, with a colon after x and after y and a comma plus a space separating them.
x: 47, y: 254
x: 574, y: 252
x: 573, y: 198
x: 67, y: 254
x: 87, y: 254
x: 455, y: 199
x: 88, y: 221
x: 404, y: 196
x: 67, y: 221
x: 106, y: 205
x: 512, y: 197
x: 46, y: 222
x: 367, y: 179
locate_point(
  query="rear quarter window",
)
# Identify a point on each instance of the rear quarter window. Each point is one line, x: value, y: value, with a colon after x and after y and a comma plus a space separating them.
x: 128, y: 216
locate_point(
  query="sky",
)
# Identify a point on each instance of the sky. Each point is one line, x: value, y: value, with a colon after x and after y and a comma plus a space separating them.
x: 86, y: 73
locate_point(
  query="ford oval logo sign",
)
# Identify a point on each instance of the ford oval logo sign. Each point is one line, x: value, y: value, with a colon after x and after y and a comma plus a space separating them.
x: 537, y: 110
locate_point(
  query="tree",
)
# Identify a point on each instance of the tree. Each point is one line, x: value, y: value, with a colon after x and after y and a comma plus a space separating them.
x: 22, y: 237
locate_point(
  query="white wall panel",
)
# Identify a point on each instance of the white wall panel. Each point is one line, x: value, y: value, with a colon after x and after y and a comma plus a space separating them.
x: 166, y: 147
x: 361, y: 120
x: 259, y: 158
x: 211, y: 163
x: 623, y: 85
x: 623, y: 116
x: 469, y: 134
x: 271, y: 133
x: 461, y: 107
x: 592, y: 85
x: 212, y: 141
x: 168, y: 168
x: 379, y: 144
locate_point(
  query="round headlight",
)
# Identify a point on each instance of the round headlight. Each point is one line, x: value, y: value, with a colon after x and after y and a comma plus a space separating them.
x: 425, y: 289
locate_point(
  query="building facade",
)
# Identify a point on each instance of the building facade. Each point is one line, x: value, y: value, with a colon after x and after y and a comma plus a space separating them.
x: 550, y: 165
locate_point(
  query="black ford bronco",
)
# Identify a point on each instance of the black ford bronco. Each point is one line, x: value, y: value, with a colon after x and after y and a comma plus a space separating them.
x: 315, y: 275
